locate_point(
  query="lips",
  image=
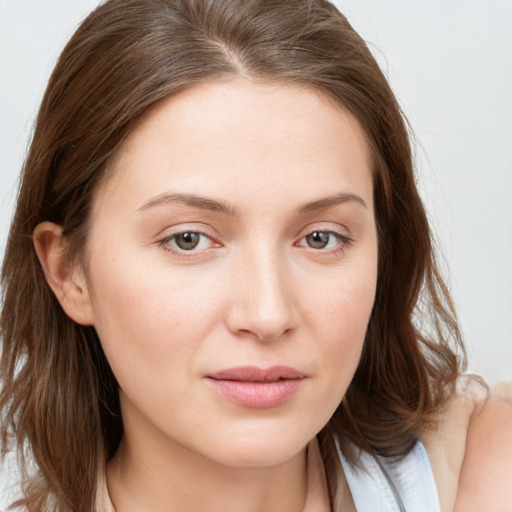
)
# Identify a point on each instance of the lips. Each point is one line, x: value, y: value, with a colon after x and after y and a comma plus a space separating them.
x: 258, y: 388
x: 254, y: 374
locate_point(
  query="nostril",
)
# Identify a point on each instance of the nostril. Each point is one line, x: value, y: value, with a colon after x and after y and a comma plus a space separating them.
x: 274, y: 334
x: 267, y: 310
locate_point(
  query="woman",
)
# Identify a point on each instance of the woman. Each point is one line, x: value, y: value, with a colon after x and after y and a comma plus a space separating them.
x: 214, y: 273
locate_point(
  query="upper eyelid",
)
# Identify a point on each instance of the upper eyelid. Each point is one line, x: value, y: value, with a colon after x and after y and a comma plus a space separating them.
x: 192, y: 227
x: 171, y: 236
x: 166, y: 245
x: 325, y: 226
x: 345, y: 239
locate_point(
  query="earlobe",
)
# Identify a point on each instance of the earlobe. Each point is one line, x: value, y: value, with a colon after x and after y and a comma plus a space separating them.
x: 68, y: 284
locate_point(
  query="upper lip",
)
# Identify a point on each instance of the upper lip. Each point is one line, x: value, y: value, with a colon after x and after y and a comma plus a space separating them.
x: 255, y: 374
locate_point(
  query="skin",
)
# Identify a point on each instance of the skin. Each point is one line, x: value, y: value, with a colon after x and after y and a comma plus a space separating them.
x: 484, y: 483
x: 285, y: 162
x: 470, y: 451
x: 252, y: 292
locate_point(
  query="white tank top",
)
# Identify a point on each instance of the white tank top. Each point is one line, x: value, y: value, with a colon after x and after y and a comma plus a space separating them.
x: 412, y: 478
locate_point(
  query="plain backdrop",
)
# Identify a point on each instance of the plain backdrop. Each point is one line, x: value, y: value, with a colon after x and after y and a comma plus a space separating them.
x: 450, y: 64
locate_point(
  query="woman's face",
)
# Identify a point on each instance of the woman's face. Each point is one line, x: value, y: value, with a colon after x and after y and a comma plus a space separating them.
x: 232, y: 266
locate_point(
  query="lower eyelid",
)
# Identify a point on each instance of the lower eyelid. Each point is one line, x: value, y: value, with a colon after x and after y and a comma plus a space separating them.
x: 166, y: 242
x: 343, y: 241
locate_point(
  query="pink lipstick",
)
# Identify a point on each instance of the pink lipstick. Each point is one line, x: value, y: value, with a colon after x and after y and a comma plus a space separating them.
x: 258, y: 388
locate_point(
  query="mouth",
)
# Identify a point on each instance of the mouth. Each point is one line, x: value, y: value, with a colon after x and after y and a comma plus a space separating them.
x: 254, y: 374
x: 257, y: 388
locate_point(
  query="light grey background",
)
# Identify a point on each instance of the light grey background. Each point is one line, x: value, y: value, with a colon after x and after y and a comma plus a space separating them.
x: 450, y: 64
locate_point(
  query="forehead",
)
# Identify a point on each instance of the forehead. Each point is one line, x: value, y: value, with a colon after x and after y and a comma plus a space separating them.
x: 233, y: 135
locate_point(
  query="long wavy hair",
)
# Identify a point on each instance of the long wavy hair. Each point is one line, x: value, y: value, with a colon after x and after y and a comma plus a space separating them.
x: 59, y: 401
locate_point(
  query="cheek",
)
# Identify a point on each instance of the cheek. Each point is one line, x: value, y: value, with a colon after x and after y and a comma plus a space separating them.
x: 339, y: 316
x: 149, y: 322
x: 336, y: 320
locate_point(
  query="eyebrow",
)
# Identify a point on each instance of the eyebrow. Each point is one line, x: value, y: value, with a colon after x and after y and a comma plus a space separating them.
x: 203, y: 203
x: 225, y: 208
x: 327, y: 202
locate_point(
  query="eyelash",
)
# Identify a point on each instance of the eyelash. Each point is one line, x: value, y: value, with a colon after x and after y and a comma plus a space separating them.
x: 344, y: 241
x: 164, y: 243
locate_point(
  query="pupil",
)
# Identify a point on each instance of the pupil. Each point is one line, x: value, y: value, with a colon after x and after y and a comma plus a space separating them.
x: 318, y: 239
x: 187, y: 241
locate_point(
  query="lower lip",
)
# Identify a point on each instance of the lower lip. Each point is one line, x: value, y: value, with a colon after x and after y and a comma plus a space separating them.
x: 258, y: 395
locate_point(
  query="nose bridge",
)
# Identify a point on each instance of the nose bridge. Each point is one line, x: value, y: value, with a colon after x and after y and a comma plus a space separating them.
x: 265, y: 303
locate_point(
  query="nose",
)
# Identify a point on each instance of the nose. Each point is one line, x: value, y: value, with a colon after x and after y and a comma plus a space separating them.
x: 264, y: 304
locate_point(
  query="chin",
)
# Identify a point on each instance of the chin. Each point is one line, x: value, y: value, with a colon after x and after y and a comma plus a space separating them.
x: 259, y: 450
x: 262, y: 458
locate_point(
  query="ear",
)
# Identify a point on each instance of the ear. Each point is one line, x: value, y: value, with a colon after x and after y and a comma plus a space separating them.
x: 67, y: 282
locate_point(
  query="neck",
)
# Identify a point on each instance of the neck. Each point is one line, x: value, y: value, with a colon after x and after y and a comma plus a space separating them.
x: 149, y: 474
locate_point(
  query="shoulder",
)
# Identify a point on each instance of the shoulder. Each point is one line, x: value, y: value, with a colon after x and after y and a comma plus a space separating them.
x: 486, y: 472
x: 470, y: 451
x: 446, y: 443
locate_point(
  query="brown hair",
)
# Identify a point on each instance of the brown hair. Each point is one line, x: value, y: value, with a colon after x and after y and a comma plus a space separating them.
x: 59, y: 395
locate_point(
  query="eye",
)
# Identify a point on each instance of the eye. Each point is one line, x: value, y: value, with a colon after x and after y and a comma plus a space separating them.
x: 187, y: 241
x: 324, y: 240
x: 319, y: 239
